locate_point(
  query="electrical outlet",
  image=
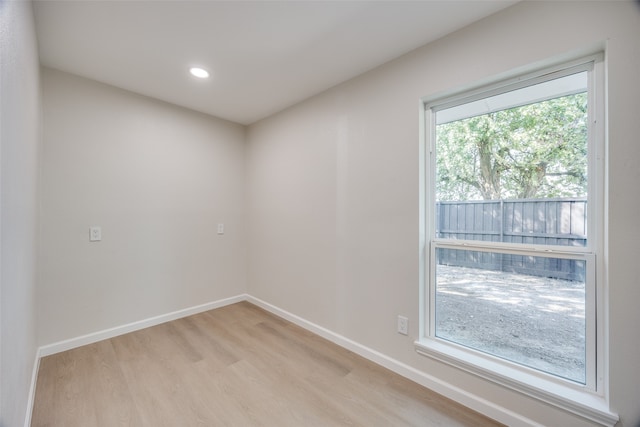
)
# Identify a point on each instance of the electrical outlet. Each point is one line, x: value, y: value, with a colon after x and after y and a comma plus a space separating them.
x: 95, y: 234
x: 403, y: 325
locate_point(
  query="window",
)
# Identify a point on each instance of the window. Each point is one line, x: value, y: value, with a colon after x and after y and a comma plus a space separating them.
x: 512, y: 223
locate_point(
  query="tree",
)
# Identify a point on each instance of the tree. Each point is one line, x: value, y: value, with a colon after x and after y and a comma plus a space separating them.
x: 535, y: 150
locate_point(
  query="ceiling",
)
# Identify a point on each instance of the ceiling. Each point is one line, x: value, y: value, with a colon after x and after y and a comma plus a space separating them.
x: 264, y: 56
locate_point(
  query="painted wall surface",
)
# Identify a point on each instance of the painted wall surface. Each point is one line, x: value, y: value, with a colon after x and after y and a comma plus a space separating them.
x: 158, y: 179
x: 333, y: 199
x: 19, y: 154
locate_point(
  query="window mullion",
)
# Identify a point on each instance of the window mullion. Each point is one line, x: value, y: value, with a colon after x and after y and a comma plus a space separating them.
x: 516, y: 248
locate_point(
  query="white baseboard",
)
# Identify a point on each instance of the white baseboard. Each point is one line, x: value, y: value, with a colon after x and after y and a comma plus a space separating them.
x: 134, y: 326
x: 459, y: 395
x: 69, y: 344
x: 32, y: 389
x: 463, y: 397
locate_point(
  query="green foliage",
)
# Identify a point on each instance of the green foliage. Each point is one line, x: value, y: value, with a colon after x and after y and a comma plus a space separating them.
x: 533, y: 151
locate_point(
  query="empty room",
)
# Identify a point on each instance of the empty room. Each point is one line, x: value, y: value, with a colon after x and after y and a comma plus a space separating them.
x: 319, y: 213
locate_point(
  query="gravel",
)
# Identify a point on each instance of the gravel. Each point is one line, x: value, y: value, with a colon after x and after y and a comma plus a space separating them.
x: 535, y: 321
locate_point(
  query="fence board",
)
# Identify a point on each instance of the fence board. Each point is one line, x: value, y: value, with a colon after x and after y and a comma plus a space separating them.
x: 561, y: 222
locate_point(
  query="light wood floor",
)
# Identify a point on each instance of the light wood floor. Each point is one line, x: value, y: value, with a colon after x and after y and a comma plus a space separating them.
x: 234, y: 366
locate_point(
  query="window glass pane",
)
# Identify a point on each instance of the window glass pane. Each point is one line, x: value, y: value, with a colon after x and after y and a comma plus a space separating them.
x: 513, y: 167
x: 526, y: 309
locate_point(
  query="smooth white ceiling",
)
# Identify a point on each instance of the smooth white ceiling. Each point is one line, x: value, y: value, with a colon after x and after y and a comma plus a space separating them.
x: 263, y: 55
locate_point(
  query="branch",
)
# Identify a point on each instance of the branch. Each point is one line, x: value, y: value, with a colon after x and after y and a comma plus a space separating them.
x: 474, y: 184
x: 568, y: 173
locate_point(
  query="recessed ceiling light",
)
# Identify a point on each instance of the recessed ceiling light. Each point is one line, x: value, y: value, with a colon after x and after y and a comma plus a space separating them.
x: 199, y: 72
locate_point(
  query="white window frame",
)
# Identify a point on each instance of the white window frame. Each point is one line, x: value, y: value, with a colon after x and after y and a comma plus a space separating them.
x: 589, y: 400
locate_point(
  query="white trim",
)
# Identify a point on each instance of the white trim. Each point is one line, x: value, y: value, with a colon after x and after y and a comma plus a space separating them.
x: 590, y: 402
x: 472, y: 401
x: 32, y: 389
x: 549, y: 251
x: 598, y: 226
x: 568, y: 82
x: 134, y: 326
x: 437, y: 385
x: 553, y: 391
x: 516, y: 80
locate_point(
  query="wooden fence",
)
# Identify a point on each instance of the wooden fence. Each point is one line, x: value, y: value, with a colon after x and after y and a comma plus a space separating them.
x: 560, y: 221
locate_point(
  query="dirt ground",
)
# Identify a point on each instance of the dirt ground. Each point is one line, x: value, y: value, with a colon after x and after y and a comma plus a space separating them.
x: 536, y: 321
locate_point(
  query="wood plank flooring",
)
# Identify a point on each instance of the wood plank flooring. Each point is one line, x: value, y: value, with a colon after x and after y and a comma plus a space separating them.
x: 234, y: 366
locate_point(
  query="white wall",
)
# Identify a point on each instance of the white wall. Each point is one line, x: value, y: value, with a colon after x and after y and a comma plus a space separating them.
x: 19, y: 153
x: 157, y: 179
x: 333, y: 190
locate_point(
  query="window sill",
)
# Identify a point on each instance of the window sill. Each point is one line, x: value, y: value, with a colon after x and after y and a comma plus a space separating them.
x: 559, y: 393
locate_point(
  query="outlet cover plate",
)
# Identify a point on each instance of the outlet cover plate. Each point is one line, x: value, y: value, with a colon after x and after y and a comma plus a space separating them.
x: 95, y: 234
x: 403, y: 325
